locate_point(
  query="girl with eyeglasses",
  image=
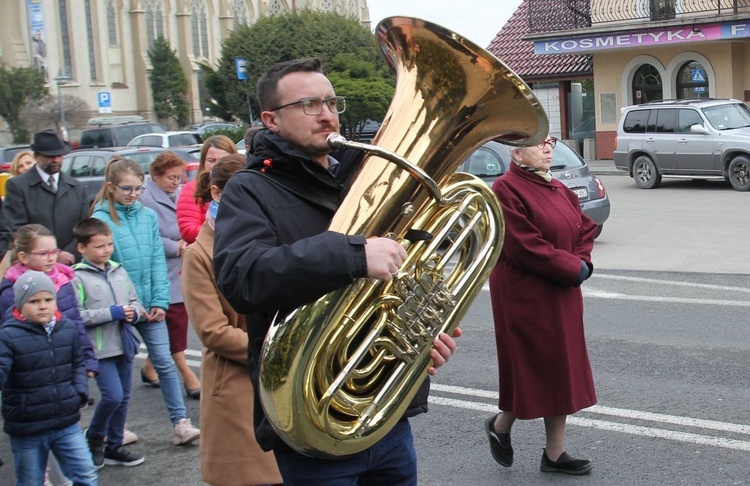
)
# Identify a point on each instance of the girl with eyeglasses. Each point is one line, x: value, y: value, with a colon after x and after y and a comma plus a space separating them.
x: 35, y: 248
x: 139, y: 249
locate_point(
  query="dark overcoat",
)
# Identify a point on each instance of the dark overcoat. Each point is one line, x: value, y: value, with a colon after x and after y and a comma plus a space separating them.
x: 28, y: 200
x: 536, y: 299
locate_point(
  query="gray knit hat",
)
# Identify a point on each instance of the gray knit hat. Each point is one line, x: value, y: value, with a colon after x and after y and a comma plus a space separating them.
x: 29, y: 284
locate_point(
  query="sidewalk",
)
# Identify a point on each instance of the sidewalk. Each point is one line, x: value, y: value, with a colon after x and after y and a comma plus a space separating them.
x: 604, y: 167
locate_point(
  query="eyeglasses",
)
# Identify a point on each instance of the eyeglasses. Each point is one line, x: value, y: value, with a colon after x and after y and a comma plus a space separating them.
x: 551, y: 142
x: 128, y: 190
x: 46, y: 254
x: 314, y: 106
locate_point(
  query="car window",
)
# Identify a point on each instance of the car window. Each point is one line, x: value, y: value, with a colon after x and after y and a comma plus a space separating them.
x: 184, y: 139
x: 80, y: 166
x: 728, y: 116
x: 484, y: 162
x: 66, y: 163
x: 666, y: 120
x: 144, y: 159
x: 636, y: 121
x: 98, y: 164
x: 563, y: 158
x: 686, y: 119
x: 96, y: 138
x: 11, y: 152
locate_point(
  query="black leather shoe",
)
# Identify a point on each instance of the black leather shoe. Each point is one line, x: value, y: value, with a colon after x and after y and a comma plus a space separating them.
x: 500, y: 446
x: 565, y: 464
x: 196, y: 394
x: 154, y: 383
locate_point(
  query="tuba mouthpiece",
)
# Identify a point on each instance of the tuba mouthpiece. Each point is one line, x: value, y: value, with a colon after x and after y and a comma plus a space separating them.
x: 336, y: 141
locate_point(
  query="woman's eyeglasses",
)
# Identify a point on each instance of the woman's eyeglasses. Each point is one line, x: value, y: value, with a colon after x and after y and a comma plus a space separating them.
x: 551, y: 142
x: 128, y: 190
x: 314, y: 106
x: 47, y: 253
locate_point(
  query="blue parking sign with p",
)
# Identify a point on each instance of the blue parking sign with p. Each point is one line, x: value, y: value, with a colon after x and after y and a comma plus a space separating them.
x: 105, y: 102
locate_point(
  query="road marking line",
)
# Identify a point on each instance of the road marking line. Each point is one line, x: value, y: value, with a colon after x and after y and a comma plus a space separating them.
x: 601, y: 294
x: 670, y: 282
x: 616, y: 412
x: 613, y: 426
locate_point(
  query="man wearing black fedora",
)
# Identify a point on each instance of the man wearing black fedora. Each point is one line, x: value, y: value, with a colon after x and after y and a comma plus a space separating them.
x: 44, y: 195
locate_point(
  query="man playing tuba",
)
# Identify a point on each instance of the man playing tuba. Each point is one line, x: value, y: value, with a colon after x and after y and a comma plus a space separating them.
x: 273, y: 252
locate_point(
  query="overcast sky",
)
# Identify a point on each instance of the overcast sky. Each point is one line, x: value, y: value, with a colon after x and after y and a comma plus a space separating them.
x: 477, y: 20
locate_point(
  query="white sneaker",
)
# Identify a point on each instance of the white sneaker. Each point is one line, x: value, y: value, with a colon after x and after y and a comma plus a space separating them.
x: 129, y: 437
x: 184, y: 432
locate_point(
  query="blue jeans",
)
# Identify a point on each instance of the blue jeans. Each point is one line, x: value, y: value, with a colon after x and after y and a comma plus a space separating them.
x: 114, y: 381
x: 391, y: 461
x: 69, y: 447
x: 156, y: 339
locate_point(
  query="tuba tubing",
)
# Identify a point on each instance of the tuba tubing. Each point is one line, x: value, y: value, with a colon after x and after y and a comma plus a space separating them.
x: 338, y: 373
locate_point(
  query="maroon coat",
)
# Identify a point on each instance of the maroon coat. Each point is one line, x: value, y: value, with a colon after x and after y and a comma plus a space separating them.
x: 536, y: 302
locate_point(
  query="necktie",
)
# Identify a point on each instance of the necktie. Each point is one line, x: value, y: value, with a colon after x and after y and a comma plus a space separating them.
x: 52, y: 185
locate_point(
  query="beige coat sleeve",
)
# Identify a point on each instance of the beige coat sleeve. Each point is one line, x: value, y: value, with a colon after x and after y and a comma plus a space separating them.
x: 219, y: 328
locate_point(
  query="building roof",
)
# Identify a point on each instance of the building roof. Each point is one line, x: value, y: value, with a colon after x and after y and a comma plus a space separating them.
x: 518, y: 54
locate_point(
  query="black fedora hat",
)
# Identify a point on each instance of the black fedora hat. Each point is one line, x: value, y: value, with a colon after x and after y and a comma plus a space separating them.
x: 48, y: 142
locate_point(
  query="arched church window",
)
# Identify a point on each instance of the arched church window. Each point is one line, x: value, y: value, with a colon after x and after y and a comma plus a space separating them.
x: 239, y: 13
x: 111, y: 23
x: 200, y: 28
x: 647, y: 85
x: 154, y: 20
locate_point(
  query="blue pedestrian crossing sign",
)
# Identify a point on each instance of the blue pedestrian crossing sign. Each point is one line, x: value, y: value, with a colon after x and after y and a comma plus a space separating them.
x: 699, y: 76
x: 105, y: 102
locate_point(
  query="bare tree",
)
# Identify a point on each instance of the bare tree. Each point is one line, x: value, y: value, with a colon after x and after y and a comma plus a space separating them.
x: 40, y: 113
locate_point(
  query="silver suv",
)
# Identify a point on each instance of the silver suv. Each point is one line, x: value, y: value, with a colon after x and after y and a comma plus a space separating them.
x: 696, y: 138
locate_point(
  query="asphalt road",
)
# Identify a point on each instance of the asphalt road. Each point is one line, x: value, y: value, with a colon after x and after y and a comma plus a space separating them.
x: 668, y: 340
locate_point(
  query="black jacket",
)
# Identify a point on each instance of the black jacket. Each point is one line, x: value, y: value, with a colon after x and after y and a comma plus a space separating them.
x: 272, y: 250
x: 43, y: 377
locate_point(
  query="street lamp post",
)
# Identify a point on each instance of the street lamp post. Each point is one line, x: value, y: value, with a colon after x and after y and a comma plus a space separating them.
x: 61, y: 79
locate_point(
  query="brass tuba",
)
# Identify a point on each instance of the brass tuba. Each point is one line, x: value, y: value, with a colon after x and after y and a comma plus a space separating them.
x: 338, y: 373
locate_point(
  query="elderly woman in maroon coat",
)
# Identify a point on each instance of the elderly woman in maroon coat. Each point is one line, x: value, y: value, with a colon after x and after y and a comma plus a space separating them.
x: 538, y: 308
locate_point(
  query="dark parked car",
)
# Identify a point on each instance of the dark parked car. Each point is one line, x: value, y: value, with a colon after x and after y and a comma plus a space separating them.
x: 88, y: 165
x: 116, y: 131
x: 492, y: 160
x: 7, y: 154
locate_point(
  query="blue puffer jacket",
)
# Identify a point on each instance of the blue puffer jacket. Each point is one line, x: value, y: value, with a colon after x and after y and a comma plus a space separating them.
x: 42, y: 377
x: 67, y: 304
x: 139, y: 250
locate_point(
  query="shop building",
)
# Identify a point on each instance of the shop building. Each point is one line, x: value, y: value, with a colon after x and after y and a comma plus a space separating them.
x: 647, y: 50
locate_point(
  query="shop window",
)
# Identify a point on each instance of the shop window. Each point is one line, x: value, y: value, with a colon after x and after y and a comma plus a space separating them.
x: 647, y: 85
x: 692, y: 81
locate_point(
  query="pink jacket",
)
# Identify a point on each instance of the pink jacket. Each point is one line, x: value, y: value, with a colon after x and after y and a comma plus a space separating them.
x: 190, y: 216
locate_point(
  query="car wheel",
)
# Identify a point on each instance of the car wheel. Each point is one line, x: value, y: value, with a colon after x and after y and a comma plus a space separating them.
x: 598, y: 231
x: 739, y: 173
x: 645, y: 173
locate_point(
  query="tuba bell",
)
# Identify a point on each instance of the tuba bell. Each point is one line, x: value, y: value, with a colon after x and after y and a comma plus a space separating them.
x: 338, y: 373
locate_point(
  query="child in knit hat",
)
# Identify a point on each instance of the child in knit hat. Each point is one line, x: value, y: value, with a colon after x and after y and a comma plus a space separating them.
x: 44, y: 384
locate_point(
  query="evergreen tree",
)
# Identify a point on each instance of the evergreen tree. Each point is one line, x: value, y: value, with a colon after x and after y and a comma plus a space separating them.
x: 347, y: 49
x: 169, y: 86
